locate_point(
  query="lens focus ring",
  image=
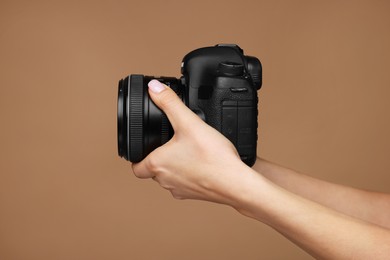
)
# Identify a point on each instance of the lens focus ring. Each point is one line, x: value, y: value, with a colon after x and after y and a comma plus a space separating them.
x: 135, y: 124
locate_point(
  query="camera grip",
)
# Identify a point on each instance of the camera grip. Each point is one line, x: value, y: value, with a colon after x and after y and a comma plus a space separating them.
x: 239, y: 125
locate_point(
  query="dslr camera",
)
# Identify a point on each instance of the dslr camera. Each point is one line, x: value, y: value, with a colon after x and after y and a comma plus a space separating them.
x: 218, y: 83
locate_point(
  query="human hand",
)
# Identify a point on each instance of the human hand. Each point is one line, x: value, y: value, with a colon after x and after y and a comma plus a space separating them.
x: 198, y: 162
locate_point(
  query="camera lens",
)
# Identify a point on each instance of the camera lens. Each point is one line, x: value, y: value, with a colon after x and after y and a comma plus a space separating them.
x: 142, y: 126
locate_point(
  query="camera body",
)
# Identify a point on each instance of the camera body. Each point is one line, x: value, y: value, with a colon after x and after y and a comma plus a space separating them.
x: 218, y: 83
x: 221, y: 87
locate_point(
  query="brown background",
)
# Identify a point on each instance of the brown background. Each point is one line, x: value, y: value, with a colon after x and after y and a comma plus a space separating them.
x: 64, y: 192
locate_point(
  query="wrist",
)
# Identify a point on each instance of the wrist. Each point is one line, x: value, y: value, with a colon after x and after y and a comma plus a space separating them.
x: 240, y: 187
x: 253, y: 194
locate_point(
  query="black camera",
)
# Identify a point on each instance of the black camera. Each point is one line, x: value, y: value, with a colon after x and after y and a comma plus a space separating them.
x: 218, y: 83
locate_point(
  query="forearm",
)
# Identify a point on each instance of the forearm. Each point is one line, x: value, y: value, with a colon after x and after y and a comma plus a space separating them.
x: 368, y: 206
x: 322, y: 232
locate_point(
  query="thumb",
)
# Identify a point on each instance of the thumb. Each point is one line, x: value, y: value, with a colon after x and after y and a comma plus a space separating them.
x: 169, y: 102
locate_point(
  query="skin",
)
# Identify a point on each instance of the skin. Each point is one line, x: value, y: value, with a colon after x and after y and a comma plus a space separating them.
x: 328, y: 221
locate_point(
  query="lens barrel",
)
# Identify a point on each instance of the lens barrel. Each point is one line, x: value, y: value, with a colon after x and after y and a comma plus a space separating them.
x: 122, y: 117
x: 142, y: 126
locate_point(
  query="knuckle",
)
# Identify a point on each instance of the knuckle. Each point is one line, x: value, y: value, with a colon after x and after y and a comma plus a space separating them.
x: 177, y: 196
x: 135, y: 170
x: 153, y: 164
x: 166, y: 186
x: 137, y: 174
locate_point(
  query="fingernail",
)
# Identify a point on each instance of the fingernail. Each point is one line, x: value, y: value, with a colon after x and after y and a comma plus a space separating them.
x: 156, y: 86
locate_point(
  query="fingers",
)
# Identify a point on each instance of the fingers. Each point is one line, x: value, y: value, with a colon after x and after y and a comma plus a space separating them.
x: 180, y: 116
x: 147, y: 168
x: 167, y: 100
x: 150, y: 166
x: 141, y: 171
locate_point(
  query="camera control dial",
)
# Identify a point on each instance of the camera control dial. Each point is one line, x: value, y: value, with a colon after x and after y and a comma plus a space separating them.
x: 230, y: 69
